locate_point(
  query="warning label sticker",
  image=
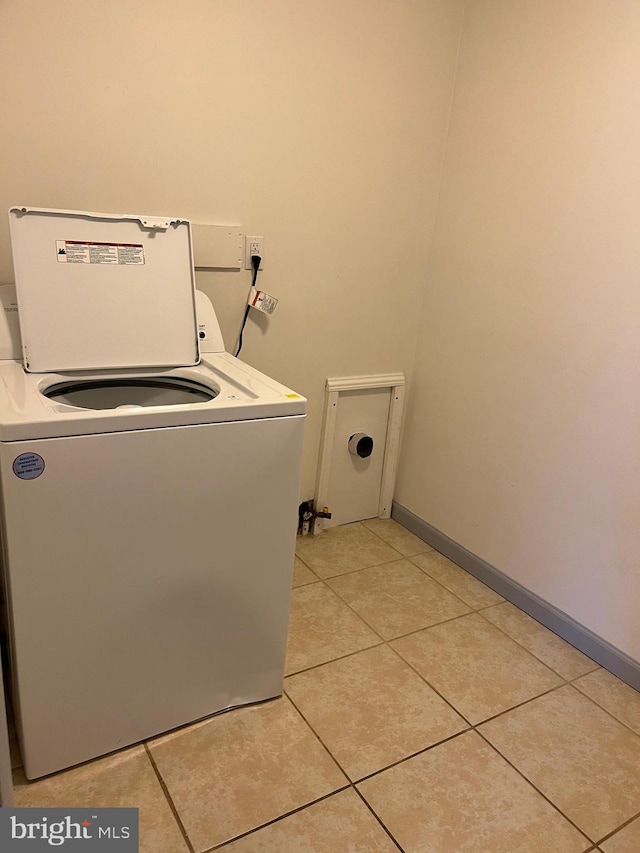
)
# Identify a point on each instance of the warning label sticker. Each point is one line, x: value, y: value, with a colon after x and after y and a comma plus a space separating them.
x: 262, y: 301
x: 79, y: 252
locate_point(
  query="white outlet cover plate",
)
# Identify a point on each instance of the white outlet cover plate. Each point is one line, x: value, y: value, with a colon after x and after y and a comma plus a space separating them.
x: 247, y: 251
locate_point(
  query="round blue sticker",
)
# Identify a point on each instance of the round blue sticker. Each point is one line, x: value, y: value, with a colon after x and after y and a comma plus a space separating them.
x: 28, y: 466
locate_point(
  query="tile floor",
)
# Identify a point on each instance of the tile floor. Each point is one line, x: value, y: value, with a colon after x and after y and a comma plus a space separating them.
x: 421, y: 712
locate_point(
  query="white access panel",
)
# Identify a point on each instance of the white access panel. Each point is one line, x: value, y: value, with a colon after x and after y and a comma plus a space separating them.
x: 350, y: 486
x: 152, y: 587
x: 103, y: 290
x: 354, y: 483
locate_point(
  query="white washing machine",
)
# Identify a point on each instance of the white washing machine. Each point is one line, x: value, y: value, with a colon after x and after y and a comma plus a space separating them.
x: 149, y: 493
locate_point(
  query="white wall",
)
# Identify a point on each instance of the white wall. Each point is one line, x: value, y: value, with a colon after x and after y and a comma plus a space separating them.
x: 318, y: 125
x: 522, y: 441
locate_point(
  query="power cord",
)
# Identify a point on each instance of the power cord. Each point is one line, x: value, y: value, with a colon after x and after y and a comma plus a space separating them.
x: 255, y: 263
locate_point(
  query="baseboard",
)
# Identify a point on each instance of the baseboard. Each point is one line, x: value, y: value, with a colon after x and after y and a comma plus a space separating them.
x: 560, y: 623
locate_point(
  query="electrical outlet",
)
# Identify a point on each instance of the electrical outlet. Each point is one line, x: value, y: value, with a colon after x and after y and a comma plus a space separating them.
x: 253, y: 246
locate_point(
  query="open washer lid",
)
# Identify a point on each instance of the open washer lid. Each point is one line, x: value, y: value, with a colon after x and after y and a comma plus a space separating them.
x: 100, y: 290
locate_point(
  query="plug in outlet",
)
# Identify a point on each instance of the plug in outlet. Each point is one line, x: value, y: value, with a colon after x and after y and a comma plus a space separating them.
x: 253, y: 246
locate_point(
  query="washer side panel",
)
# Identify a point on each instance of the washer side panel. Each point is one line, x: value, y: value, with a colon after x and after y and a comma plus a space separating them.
x: 149, y: 577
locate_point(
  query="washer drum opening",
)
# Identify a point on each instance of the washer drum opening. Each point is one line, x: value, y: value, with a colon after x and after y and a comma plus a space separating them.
x: 116, y: 393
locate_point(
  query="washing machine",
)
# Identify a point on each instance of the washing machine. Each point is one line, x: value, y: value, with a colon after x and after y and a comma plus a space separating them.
x: 149, y: 492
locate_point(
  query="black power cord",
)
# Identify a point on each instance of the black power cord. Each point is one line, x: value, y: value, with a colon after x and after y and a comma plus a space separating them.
x: 255, y: 263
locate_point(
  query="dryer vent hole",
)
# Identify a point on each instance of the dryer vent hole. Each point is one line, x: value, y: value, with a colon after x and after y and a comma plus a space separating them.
x: 361, y: 445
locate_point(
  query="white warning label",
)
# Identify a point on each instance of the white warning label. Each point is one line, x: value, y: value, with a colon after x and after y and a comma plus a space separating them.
x: 80, y: 252
x: 262, y: 301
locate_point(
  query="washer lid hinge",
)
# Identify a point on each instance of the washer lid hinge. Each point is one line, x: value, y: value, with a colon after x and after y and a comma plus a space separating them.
x: 156, y: 224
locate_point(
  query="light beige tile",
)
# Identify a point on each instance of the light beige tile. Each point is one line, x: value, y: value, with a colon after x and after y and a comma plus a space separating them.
x: 124, y: 780
x: 344, y: 549
x: 577, y: 755
x: 614, y: 696
x: 397, y: 598
x: 462, y: 797
x: 371, y: 709
x: 459, y: 582
x: 625, y: 841
x: 398, y: 537
x: 543, y: 643
x: 322, y: 627
x: 242, y: 769
x: 475, y: 666
x: 340, y: 824
x: 301, y: 574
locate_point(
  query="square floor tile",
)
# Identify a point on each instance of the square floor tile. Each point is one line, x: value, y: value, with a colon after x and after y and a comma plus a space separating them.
x: 344, y: 549
x: 124, y: 780
x: 242, y: 769
x: 614, y: 696
x: 398, y: 537
x: 627, y: 840
x: 340, y: 824
x: 540, y: 641
x: 577, y: 755
x: 301, y: 574
x: 462, y: 797
x: 371, y: 709
x: 322, y: 627
x: 397, y: 598
x: 476, y: 667
x: 460, y: 583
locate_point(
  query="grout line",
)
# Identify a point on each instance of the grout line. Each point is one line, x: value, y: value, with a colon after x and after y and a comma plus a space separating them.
x: 364, y: 568
x: 303, y: 561
x: 331, y: 660
x: 320, y: 741
x: 529, y: 782
x: 596, y: 667
x: 450, y: 591
x: 385, y: 828
x: 526, y: 648
x: 521, y: 704
x: 394, y: 763
x: 618, y: 828
x: 429, y: 627
x: 354, y: 782
x: 406, y: 758
x: 408, y: 633
x: 384, y: 541
x: 427, y: 547
x: 606, y: 711
x: 315, y: 579
x: 495, y: 604
x: 169, y: 799
x: 458, y: 711
x: 353, y: 610
x: 428, y: 683
x: 277, y: 819
x: 471, y: 609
